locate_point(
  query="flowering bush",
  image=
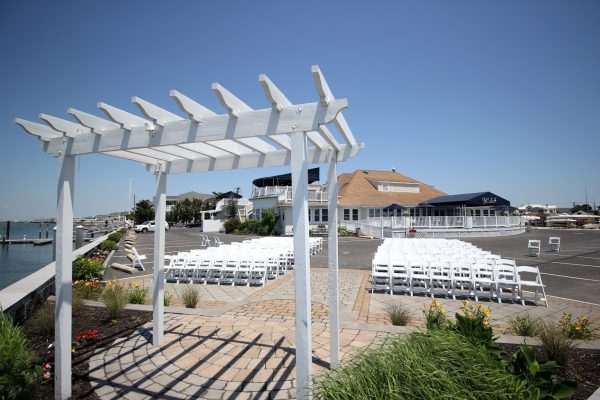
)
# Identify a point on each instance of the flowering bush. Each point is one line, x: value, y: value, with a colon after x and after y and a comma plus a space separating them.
x: 85, y: 268
x: 115, y: 297
x: 578, y: 329
x: 137, y: 293
x: 87, y: 289
x: 82, y: 338
x: 47, y: 371
x: 473, y: 323
x: 435, y: 315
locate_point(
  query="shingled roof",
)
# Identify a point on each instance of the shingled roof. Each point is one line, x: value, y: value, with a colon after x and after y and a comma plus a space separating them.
x: 359, y: 189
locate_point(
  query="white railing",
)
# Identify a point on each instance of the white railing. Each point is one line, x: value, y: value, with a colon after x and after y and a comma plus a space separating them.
x: 284, y: 193
x: 268, y: 191
x: 397, y: 226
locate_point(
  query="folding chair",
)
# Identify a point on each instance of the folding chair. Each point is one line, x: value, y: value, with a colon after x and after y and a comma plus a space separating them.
x: 217, y: 241
x: 483, y: 277
x: 534, y: 247
x: 506, y: 278
x: 554, y: 244
x: 380, y: 273
x: 137, y: 259
x: 522, y: 281
x: 462, y: 279
x: 205, y: 241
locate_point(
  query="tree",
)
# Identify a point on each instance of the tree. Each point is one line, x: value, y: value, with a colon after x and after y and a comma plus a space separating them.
x: 231, y: 209
x: 144, y: 211
x: 584, y: 207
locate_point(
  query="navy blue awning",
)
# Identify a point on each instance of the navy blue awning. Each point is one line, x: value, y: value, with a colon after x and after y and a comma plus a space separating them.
x: 285, y: 179
x: 394, y: 206
x: 470, y: 200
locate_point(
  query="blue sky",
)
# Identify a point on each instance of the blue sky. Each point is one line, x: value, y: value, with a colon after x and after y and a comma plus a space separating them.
x: 466, y: 95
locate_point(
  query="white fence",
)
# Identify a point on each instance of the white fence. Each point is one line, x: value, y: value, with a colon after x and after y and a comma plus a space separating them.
x: 438, y: 226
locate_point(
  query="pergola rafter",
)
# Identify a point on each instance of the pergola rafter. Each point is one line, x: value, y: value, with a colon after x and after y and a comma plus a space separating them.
x: 201, y: 141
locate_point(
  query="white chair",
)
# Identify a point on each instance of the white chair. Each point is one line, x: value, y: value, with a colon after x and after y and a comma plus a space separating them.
x: 399, y: 275
x: 380, y: 273
x: 440, y: 278
x: 554, y: 244
x: 205, y: 241
x: 419, y: 277
x: 258, y: 275
x: 483, y: 277
x: 462, y: 280
x: 506, y: 279
x: 534, y: 247
x: 217, y: 241
x: 530, y: 277
x: 137, y: 259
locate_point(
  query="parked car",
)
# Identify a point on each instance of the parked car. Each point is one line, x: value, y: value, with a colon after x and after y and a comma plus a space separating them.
x: 148, y: 226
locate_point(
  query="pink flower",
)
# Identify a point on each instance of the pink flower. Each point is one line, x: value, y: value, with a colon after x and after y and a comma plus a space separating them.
x: 47, y: 375
x: 47, y: 366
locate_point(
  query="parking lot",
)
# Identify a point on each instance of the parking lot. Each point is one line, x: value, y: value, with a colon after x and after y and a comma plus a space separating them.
x: 574, y: 273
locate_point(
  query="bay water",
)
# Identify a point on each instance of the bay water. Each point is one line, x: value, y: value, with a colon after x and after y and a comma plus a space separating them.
x: 19, y: 260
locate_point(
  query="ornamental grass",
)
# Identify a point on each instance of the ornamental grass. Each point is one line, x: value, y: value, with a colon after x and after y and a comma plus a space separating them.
x: 439, y: 364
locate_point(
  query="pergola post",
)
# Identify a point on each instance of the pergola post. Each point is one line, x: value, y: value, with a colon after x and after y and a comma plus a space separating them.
x: 301, y: 264
x: 158, y: 318
x: 332, y: 240
x: 64, y: 277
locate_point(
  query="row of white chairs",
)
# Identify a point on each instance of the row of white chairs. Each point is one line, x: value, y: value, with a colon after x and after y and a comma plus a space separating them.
x: 462, y: 270
x: 247, y: 263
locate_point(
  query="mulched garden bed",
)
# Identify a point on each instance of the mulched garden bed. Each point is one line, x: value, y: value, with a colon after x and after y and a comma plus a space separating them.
x: 88, y: 318
x: 583, y: 368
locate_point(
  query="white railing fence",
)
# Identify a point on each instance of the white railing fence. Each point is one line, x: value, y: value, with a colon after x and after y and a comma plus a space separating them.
x: 437, y: 226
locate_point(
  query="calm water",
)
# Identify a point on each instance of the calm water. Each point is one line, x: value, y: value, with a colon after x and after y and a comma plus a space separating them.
x: 20, y: 260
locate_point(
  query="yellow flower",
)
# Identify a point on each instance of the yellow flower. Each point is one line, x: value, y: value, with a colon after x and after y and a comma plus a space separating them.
x: 486, y: 312
x: 137, y: 285
x: 479, y: 306
x: 471, y: 308
x: 442, y: 311
x: 486, y: 322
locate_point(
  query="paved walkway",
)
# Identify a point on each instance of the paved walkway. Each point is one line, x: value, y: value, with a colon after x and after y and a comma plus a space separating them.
x: 240, y: 341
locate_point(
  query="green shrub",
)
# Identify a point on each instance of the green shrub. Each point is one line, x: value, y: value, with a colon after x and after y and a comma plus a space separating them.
x: 435, y: 316
x: 524, y: 325
x: 190, y: 295
x: 19, y: 376
x: 115, y: 237
x: 231, y: 225
x: 168, y: 298
x: 115, y: 296
x: 578, y: 329
x: 43, y: 319
x: 122, y: 231
x: 473, y: 323
x: 397, y: 314
x: 555, y: 345
x: 439, y: 364
x: 108, y: 245
x: 85, y: 268
x: 87, y: 289
x: 138, y: 294
x: 541, y: 378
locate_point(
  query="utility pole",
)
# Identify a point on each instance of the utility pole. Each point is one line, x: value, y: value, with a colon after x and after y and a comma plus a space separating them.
x: 587, y: 206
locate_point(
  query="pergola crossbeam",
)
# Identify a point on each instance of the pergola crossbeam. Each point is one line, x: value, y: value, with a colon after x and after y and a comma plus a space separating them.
x: 194, y: 110
x: 68, y: 128
x: 257, y: 144
x: 97, y: 124
x: 43, y: 132
x: 126, y: 119
x: 274, y: 95
x: 326, y: 96
x: 234, y: 105
x: 282, y: 140
x: 160, y: 116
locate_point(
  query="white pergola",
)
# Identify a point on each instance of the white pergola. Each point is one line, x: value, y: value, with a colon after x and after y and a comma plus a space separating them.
x: 202, y: 141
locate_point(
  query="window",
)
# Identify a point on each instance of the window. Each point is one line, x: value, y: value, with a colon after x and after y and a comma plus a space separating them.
x: 258, y: 213
x: 374, y: 212
x: 324, y: 215
x: 317, y: 215
x: 350, y: 214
